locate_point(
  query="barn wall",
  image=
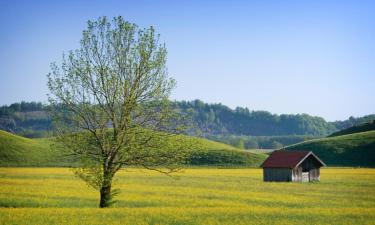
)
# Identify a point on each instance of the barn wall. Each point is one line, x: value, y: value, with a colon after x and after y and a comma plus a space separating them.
x: 277, y: 174
x: 315, y: 174
x: 311, y: 165
x: 297, y: 174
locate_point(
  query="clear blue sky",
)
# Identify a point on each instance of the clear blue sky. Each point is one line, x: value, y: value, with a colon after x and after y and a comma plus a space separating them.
x: 315, y: 57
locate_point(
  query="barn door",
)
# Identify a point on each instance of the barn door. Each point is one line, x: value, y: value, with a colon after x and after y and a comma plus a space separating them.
x: 305, y: 177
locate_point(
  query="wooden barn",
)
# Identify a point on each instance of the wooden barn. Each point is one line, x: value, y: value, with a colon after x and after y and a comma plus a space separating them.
x: 295, y: 166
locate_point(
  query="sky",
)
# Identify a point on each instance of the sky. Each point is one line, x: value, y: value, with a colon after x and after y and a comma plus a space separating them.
x: 314, y: 57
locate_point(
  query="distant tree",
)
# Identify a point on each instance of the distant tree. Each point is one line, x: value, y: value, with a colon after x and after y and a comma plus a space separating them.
x: 15, y: 106
x: 211, y: 116
x: 110, y: 104
x: 199, y: 104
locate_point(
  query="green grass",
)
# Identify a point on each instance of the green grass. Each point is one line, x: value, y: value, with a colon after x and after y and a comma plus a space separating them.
x: 195, y: 196
x: 20, y: 151
x: 347, y: 150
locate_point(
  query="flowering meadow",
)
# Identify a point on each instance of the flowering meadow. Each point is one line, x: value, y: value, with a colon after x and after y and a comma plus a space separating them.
x: 193, y: 196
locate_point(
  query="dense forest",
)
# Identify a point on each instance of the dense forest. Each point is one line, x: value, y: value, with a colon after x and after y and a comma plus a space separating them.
x: 218, y: 119
x: 29, y: 119
x: 240, y: 126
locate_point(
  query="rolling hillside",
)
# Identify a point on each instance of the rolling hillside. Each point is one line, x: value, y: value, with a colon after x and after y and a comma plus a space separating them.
x: 355, y: 129
x: 20, y: 151
x: 356, y: 149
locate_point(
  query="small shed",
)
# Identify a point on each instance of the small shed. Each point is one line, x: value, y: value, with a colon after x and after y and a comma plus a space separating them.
x: 295, y: 166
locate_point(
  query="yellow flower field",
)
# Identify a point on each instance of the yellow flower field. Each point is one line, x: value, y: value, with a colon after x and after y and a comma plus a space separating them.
x: 194, y: 196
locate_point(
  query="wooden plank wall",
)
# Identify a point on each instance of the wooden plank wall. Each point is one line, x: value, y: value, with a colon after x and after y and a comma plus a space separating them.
x: 315, y: 174
x: 277, y: 174
x: 297, y: 174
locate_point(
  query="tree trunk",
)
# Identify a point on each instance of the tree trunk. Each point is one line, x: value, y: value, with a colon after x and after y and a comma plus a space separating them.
x: 105, y: 196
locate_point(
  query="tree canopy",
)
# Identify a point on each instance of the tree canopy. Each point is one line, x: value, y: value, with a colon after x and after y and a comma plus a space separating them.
x: 110, y: 104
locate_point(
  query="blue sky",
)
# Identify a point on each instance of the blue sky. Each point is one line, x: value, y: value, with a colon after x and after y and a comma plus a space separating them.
x: 315, y: 57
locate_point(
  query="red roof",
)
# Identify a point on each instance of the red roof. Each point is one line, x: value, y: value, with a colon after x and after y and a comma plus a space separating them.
x: 285, y: 159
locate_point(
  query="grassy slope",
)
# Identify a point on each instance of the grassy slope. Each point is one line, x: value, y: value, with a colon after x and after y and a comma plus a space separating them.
x: 356, y: 129
x: 16, y: 150
x: 199, y: 196
x: 20, y: 151
x: 347, y: 150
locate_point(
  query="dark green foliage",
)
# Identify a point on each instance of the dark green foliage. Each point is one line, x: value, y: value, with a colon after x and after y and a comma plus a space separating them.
x: 352, y: 121
x: 21, y: 107
x: 29, y: 119
x: 347, y: 150
x: 217, y: 119
x: 355, y: 129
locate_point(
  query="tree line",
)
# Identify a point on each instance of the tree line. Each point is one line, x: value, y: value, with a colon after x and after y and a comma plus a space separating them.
x: 218, y: 119
x: 215, y: 121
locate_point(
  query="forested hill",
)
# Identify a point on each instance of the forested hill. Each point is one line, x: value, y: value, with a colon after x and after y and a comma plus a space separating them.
x: 218, y: 119
x: 31, y: 120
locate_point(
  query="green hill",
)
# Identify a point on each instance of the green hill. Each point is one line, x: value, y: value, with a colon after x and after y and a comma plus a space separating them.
x: 346, y: 150
x: 20, y: 151
x: 355, y: 129
x: 219, y: 154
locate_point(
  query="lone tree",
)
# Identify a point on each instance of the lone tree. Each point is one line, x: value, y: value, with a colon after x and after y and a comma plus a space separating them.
x: 110, y: 104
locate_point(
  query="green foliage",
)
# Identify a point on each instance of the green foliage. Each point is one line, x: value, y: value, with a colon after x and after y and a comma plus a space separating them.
x: 347, y: 150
